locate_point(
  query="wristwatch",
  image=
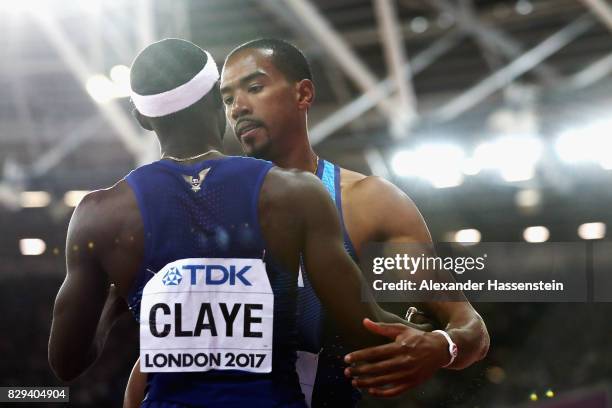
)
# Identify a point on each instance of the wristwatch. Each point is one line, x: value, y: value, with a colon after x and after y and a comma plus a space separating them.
x: 452, y: 347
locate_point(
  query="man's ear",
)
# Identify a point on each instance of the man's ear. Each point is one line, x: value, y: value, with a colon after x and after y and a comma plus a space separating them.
x: 306, y: 93
x: 142, y: 120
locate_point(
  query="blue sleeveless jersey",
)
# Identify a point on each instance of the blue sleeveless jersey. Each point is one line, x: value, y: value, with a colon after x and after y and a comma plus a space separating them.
x: 209, y: 210
x: 317, y: 332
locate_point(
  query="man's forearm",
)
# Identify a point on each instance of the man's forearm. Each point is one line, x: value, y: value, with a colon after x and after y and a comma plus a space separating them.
x: 66, y: 358
x: 114, y: 307
x: 73, y: 351
x: 467, y: 329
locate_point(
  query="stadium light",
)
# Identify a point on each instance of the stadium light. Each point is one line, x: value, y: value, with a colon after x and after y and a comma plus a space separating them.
x: 466, y: 236
x: 528, y: 198
x: 523, y: 7
x: 514, y: 157
x: 592, y: 230
x: 591, y: 143
x: 100, y: 88
x: 403, y: 164
x: 440, y: 164
x: 536, y: 234
x: 32, y: 246
x: 419, y: 25
x: 34, y: 199
x: 73, y: 198
x: 471, y: 167
x: 120, y: 74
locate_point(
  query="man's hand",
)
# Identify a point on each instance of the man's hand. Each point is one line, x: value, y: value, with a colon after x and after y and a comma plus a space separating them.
x: 388, y: 370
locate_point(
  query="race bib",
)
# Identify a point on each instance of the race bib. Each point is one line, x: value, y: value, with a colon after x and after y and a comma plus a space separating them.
x: 202, y: 314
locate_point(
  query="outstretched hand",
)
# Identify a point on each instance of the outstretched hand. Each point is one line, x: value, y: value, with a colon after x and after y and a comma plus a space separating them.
x: 390, y: 369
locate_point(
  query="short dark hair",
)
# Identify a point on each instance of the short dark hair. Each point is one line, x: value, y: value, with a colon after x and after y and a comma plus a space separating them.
x: 286, y: 57
x: 165, y: 65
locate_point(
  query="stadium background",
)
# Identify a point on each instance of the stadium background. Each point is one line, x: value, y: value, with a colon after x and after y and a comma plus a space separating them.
x: 494, y: 116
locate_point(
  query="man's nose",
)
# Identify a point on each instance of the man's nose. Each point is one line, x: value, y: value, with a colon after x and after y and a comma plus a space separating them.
x: 240, y: 107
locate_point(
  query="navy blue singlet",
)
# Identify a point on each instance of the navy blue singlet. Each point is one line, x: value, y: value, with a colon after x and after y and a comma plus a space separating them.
x: 217, y: 324
x: 318, y: 332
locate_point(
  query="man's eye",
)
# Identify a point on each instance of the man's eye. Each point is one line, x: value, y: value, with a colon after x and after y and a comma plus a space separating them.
x: 228, y: 100
x: 255, y: 88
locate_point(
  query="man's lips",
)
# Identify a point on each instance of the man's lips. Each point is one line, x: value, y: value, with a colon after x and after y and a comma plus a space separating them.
x: 246, y: 127
x: 248, y: 133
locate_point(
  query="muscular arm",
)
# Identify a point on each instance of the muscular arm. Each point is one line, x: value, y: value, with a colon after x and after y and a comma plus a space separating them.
x: 458, y: 319
x: 396, y: 368
x: 87, y: 305
x: 336, y: 279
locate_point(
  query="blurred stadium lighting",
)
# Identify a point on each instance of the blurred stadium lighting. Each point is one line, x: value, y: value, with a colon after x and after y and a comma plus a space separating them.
x: 572, y: 148
x: 34, y: 199
x: 515, y: 157
x: 496, y: 375
x: 419, y: 25
x: 467, y: 236
x: 32, y: 246
x: 404, y: 164
x: 536, y: 234
x: 512, y: 174
x: 445, y: 179
x: 484, y: 155
x: 591, y: 143
x: 606, y: 162
x: 528, y: 198
x: 120, y: 74
x: 100, y: 88
x: 523, y: 7
x: 592, y: 230
x: 73, y: 198
x: 471, y: 167
x: 439, y: 164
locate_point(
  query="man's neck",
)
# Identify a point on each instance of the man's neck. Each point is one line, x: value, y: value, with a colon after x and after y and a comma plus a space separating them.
x: 300, y: 158
x: 185, y: 151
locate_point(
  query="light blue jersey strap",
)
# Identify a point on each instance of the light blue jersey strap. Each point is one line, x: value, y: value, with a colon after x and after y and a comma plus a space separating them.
x: 329, y: 174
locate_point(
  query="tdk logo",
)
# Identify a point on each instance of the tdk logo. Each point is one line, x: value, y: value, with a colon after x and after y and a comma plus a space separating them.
x: 217, y: 274
x: 172, y: 277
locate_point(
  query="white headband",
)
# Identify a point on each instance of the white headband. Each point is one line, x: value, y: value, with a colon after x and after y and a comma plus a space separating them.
x: 181, y: 97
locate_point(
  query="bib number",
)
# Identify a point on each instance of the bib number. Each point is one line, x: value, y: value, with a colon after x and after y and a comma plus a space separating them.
x: 202, y: 314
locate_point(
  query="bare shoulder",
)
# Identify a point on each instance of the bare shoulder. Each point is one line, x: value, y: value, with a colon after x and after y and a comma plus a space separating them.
x: 349, y: 178
x: 107, y: 202
x: 356, y: 185
x: 106, y: 212
x: 377, y: 209
x: 293, y: 194
x: 117, y: 193
x: 280, y: 183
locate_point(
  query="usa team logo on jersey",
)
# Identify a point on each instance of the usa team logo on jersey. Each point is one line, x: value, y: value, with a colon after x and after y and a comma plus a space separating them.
x: 196, y: 181
x: 172, y: 278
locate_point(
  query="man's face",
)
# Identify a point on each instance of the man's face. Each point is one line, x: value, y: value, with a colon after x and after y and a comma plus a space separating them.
x: 260, y: 104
